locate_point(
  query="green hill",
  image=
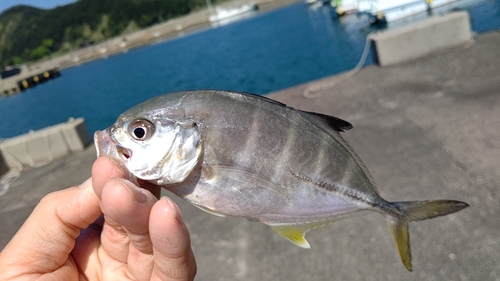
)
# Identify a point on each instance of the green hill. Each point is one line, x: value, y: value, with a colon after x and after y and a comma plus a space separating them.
x: 28, y: 33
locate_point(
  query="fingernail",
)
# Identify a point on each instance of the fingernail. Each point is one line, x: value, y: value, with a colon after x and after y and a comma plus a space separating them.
x: 118, y: 164
x: 123, y: 168
x: 139, y: 194
x: 86, y: 183
x: 175, y: 209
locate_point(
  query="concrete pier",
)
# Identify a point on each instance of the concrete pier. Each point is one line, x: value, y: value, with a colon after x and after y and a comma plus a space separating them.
x: 421, y: 38
x: 426, y: 129
x: 40, y: 147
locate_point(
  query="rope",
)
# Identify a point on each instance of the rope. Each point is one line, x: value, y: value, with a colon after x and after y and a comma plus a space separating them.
x: 12, y: 175
x: 8, y: 179
x: 12, y: 178
x: 472, y: 40
x: 311, y: 92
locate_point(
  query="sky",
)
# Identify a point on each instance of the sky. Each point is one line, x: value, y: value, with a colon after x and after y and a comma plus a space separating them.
x: 44, y: 4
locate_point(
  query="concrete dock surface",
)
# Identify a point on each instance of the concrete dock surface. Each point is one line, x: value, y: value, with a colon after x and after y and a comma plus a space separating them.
x: 426, y: 129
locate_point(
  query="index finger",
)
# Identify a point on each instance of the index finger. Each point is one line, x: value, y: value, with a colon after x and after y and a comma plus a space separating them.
x: 106, y: 168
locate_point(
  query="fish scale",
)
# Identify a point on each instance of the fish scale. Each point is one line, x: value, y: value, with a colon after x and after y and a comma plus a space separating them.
x: 243, y: 155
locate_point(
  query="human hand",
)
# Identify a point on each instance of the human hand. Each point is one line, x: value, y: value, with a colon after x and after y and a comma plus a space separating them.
x: 105, y: 229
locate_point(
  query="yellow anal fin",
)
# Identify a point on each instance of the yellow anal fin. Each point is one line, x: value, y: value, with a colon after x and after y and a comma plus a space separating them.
x: 294, y: 233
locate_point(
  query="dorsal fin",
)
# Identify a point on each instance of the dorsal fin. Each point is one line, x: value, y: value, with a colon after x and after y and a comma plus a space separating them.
x: 255, y: 96
x: 271, y: 100
x: 322, y: 120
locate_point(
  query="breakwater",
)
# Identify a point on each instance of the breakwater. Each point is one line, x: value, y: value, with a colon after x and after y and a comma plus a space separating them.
x: 27, y: 78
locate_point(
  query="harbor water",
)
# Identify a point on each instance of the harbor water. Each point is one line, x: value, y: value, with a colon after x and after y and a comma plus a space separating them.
x: 260, y: 54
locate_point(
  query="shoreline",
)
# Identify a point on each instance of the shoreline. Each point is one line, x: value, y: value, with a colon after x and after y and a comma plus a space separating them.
x: 121, y: 44
x: 151, y: 35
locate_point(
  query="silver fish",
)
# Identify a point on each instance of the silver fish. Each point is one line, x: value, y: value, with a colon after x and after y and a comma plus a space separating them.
x: 249, y: 156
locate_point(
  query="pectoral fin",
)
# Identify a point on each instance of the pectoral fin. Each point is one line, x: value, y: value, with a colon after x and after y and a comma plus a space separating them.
x: 247, y: 179
x: 210, y: 211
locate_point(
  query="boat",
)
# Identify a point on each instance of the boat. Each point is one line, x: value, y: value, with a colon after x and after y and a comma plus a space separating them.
x: 323, y: 2
x: 344, y: 7
x: 384, y: 11
x: 221, y: 14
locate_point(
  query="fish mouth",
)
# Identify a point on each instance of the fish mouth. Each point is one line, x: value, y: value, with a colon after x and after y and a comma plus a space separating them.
x: 105, y: 145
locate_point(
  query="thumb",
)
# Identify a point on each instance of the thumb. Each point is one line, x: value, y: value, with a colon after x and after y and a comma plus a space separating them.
x: 47, y: 237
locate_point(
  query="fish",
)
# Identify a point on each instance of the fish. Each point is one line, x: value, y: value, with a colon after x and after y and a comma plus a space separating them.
x: 245, y: 155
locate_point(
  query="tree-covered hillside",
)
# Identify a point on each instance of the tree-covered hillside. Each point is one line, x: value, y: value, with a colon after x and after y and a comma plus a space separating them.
x: 28, y: 33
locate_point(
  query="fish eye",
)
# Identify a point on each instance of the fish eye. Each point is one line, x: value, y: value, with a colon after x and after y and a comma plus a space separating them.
x: 139, y: 132
x: 141, y: 129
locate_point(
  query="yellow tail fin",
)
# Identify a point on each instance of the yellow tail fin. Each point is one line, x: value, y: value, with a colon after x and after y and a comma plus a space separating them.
x: 415, y: 211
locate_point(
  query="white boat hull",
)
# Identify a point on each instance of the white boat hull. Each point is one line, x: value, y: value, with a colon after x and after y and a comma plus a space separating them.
x: 227, y: 13
x: 393, y: 10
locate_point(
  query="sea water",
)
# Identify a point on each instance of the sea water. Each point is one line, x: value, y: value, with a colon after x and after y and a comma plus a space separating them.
x: 266, y: 52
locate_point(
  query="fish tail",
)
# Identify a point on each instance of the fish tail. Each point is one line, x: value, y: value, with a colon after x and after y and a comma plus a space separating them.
x: 416, y: 211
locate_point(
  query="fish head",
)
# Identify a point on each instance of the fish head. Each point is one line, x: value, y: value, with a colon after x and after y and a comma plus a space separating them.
x: 159, y: 146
